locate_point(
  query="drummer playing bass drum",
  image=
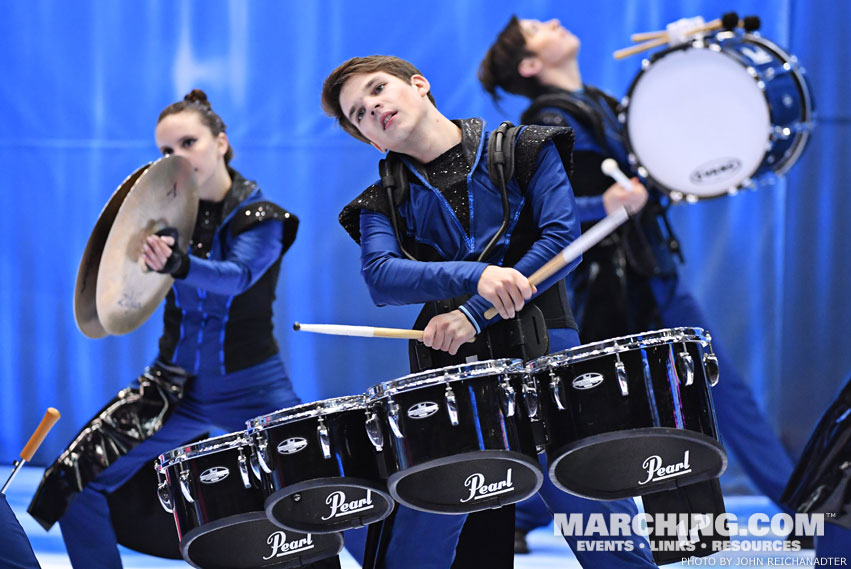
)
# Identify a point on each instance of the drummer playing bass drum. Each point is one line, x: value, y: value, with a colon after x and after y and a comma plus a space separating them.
x: 628, y: 283
x: 217, y: 340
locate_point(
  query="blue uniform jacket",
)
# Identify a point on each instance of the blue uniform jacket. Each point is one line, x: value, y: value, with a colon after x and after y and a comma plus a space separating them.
x: 393, y: 279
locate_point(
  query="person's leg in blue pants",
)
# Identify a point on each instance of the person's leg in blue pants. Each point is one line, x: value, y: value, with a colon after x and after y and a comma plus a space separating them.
x: 744, y: 428
x: 15, y: 549
x: 218, y: 401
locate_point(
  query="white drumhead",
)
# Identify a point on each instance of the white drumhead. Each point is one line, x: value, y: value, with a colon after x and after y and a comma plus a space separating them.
x: 698, y: 122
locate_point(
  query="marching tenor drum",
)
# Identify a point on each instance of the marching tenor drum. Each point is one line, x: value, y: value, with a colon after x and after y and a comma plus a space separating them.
x: 461, y: 437
x: 716, y: 115
x: 218, y: 510
x: 631, y: 415
x: 321, y: 468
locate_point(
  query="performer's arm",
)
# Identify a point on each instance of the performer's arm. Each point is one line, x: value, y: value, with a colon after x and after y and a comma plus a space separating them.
x: 393, y: 279
x: 553, y: 210
x: 251, y: 254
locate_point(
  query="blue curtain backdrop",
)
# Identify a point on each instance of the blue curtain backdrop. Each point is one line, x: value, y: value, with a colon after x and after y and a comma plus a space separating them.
x: 84, y: 81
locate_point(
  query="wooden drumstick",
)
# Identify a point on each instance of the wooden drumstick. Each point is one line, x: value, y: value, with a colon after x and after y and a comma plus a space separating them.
x: 362, y: 331
x: 597, y: 233
x: 47, y: 422
x: 632, y: 50
x: 707, y: 27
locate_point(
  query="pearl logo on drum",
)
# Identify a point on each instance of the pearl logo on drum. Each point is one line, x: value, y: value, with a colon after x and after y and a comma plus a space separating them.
x: 292, y: 445
x: 422, y: 410
x: 281, y: 547
x: 480, y: 490
x: 656, y: 471
x: 215, y: 474
x: 340, y: 507
x: 587, y: 381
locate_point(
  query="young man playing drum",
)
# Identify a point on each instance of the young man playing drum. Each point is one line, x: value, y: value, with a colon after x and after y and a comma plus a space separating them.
x: 628, y: 283
x: 443, y: 237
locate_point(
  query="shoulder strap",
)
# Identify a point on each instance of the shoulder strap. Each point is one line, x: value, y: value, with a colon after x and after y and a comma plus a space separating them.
x: 580, y: 110
x: 501, y: 152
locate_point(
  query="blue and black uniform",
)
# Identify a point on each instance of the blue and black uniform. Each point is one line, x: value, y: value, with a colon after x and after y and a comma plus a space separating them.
x: 450, y: 213
x: 217, y: 347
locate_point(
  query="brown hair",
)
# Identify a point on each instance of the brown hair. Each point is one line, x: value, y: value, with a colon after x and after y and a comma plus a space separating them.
x: 334, y: 83
x: 196, y: 101
x: 499, y: 67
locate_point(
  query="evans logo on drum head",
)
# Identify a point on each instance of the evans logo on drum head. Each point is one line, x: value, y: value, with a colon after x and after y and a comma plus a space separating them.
x: 422, y: 410
x: 716, y: 171
x: 215, y: 474
x: 292, y: 445
x: 587, y: 381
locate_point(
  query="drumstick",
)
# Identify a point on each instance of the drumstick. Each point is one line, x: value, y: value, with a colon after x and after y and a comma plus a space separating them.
x: 610, y: 168
x: 707, y: 27
x: 632, y: 50
x: 582, y: 243
x: 47, y: 422
x: 363, y: 331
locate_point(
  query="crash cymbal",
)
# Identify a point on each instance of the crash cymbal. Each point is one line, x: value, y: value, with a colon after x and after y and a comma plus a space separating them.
x: 85, y: 309
x: 127, y: 293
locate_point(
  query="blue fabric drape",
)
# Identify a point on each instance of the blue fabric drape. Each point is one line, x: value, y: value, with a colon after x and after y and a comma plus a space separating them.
x: 83, y: 83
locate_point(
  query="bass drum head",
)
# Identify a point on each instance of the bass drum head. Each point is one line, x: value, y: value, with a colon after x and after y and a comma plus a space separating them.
x: 251, y: 541
x: 698, y: 123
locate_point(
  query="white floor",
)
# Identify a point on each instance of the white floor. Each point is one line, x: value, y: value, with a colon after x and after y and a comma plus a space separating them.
x: 548, y: 551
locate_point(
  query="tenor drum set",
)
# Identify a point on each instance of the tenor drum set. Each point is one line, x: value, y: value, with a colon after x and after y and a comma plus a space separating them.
x: 623, y: 417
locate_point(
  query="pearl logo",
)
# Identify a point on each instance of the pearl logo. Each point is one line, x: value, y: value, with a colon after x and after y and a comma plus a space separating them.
x: 479, y: 489
x: 422, y: 410
x: 215, y: 474
x: 341, y: 507
x: 587, y: 381
x: 657, y: 471
x: 292, y: 445
x: 280, y: 545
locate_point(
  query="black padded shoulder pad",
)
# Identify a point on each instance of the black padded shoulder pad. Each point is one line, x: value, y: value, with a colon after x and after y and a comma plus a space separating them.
x: 529, y: 144
x: 259, y: 212
x: 374, y: 198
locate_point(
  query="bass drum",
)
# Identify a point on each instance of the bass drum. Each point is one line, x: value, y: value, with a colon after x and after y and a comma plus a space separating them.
x: 717, y: 115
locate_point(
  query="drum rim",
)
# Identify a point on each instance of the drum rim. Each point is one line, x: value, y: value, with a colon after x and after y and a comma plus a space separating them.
x: 436, y: 376
x: 620, y: 344
x: 306, y: 411
x: 784, y: 163
x: 202, y: 448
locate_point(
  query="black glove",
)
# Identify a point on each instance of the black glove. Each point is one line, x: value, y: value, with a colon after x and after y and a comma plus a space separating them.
x: 177, y: 264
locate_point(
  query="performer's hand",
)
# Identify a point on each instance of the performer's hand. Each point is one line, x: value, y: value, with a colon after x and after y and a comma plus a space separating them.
x: 448, y: 331
x: 157, y: 250
x: 616, y: 197
x: 506, y: 288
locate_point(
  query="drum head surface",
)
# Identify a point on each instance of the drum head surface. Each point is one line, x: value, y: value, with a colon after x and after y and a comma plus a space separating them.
x: 165, y: 195
x: 306, y: 410
x: 85, y: 309
x: 203, y: 448
x: 441, y: 375
x: 698, y: 122
x: 467, y: 482
x: 324, y: 505
x: 250, y: 541
x: 620, y: 344
x: 635, y: 462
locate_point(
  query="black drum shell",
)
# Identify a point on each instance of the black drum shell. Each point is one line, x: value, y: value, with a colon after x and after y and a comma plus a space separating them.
x: 226, y: 525
x: 485, y: 440
x: 659, y: 414
x: 355, y: 466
